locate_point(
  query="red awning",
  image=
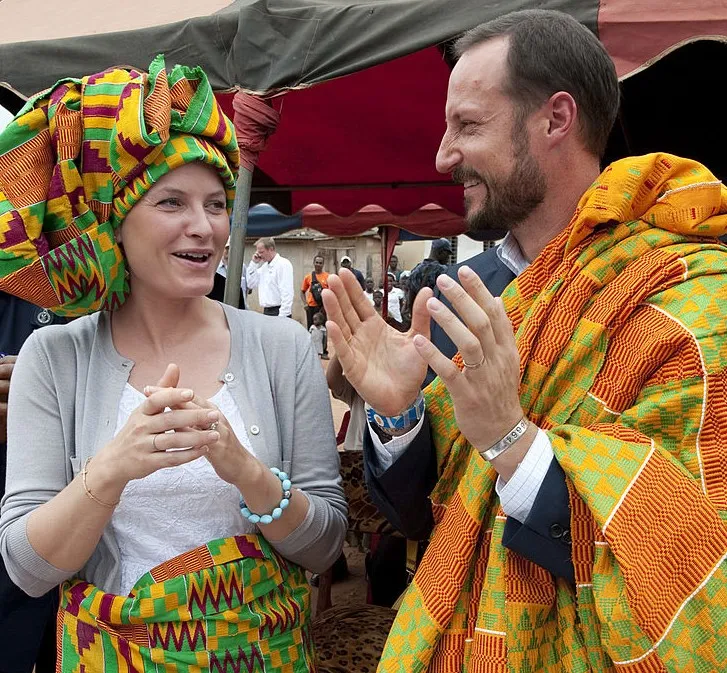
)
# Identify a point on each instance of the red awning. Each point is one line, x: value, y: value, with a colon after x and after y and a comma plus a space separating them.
x: 368, y: 138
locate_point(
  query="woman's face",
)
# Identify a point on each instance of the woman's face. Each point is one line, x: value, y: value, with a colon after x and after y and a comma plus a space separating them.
x: 174, y: 236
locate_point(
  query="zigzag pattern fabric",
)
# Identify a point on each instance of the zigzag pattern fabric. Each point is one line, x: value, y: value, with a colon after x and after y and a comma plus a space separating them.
x: 620, y: 324
x: 78, y: 157
x: 231, y: 605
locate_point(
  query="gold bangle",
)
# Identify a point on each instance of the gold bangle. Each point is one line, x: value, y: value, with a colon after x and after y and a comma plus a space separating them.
x: 84, y: 472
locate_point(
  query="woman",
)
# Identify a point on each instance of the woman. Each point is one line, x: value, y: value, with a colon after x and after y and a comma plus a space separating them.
x: 152, y: 444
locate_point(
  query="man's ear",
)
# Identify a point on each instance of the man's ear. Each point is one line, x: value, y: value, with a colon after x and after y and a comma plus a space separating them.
x: 562, y: 115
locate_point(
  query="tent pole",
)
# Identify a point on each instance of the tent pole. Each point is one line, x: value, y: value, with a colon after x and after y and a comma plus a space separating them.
x: 238, y: 230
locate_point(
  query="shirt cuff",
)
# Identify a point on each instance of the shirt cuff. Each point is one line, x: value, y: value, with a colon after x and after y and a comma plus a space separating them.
x: 390, y: 452
x: 517, y: 496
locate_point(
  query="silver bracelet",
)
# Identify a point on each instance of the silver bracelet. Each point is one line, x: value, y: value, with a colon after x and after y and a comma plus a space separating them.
x: 507, y: 441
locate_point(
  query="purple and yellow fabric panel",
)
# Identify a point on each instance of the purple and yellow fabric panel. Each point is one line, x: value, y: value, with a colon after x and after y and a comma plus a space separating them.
x: 230, y: 605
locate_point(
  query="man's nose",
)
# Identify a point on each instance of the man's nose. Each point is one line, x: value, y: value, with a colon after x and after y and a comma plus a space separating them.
x: 448, y: 156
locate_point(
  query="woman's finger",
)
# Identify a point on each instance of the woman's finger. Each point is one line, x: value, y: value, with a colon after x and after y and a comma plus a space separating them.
x: 170, y: 378
x: 441, y: 365
x: 476, y: 317
x: 157, y: 402
x: 186, y: 439
x: 196, y: 402
x: 467, y: 342
x: 176, y: 458
x: 181, y: 419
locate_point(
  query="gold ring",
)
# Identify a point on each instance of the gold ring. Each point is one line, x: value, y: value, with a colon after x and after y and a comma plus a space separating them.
x: 213, y: 426
x: 474, y: 366
x: 154, y: 442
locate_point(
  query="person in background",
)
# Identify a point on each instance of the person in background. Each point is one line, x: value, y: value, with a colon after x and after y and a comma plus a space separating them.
x: 426, y: 272
x: 218, y: 289
x: 311, y: 288
x: 395, y: 299
x: 394, y: 267
x: 272, y: 275
x: 369, y: 287
x: 318, y: 335
x: 164, y: 450
x: 408, y: 301
x: 346, y: 264
x: 379, y: 308
x: 27, y: 625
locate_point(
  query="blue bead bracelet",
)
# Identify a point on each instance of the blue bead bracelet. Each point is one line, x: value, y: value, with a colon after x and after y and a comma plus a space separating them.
x: 278, y: 511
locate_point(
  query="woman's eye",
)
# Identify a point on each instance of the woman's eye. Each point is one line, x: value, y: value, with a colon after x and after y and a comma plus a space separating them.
x: 217, y: 205
x: 172, y: 201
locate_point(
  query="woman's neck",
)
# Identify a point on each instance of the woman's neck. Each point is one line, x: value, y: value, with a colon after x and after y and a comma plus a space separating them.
x: 162, y: 324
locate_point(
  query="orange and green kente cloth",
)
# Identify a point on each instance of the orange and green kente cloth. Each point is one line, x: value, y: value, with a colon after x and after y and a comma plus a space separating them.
x: 621, y: 325
x: 230, y: 606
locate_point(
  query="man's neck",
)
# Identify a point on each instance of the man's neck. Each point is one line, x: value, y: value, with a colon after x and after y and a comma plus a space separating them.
x: 554, y: 213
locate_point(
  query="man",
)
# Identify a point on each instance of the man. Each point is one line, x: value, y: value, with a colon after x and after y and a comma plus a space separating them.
x: 425, y: 273
x: 218, y: 290
x: 369, y: 287
x: 575, y: 468
x: 273, y: 276
x: 27, y: 625
x: 346, y: 264
x: 310, y: 290
x: 394, y: 267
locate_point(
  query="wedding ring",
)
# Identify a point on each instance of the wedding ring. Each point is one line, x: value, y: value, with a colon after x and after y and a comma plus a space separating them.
x: 154, y: 442
x: 476, y: 365
x: 213, y: 426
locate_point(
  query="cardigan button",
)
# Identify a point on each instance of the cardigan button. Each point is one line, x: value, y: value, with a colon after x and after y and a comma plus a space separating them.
x: 229, y: 377
x: 254, y: 430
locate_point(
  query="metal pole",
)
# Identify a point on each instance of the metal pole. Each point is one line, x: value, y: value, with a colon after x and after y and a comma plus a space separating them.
x: 238, y: 231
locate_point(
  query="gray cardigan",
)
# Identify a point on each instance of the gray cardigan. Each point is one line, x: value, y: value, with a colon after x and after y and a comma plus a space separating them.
x: 64, y: 398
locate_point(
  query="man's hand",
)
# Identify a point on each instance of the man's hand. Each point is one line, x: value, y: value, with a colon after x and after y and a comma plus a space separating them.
x: 6, y: 371
x: 381, y: 363
x: 485, y: 394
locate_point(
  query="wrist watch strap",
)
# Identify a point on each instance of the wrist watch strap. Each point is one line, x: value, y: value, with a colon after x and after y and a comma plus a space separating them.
x: 407, y: 418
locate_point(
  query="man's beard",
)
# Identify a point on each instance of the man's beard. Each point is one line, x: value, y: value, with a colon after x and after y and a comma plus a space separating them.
x: 510, y: 201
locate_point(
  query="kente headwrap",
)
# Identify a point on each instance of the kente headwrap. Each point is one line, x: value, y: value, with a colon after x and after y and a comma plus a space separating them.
x: 78, y: 157
x: 620, y: 325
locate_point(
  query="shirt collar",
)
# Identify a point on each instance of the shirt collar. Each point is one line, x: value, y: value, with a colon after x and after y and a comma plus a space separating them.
x: 510, y: 254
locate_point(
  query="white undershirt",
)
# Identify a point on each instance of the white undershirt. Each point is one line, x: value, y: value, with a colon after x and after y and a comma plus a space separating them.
x: 517, y: 495
x: 175, y: 509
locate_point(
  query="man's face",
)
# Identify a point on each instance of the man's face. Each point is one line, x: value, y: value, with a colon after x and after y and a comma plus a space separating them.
x: 378, y: 298
x: 318, y: 264
x: 346, y: 263
x: 393, y: 262
x: 486, y: 146
x: 226, y: 254
x: 264, y: 253
x: 369, y: 285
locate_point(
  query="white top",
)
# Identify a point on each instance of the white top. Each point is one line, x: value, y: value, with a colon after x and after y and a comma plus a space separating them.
x: 175, y: 509
x: 222, y: 270
x: 517, y: 495
x: 274, y: 281
x: 395, y: 294
x: 317, y: 335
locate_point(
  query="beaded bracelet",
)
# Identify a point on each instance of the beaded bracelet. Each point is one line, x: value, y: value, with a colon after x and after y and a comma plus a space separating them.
x: 278, y: 511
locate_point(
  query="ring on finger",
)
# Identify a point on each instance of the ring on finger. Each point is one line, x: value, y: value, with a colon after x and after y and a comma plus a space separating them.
x: 213, y: 426
x: 477, y: 365
x: 154, y: 442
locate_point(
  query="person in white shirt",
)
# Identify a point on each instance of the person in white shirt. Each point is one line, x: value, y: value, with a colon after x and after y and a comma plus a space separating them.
x: 218, y: 289
x: 369, y: 287
x: 272, y: 275
x: 396, y: 298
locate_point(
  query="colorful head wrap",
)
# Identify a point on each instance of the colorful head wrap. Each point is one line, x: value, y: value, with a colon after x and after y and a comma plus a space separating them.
x: 76, y: 160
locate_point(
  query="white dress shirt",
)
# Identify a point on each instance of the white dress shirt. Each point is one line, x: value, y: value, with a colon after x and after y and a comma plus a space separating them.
x: 222, y: 270
x: 274, y: 281
x: 517, y: 495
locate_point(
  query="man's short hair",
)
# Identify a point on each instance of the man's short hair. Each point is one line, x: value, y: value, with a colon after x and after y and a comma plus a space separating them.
x: 550, y: 51
x: 318, y: 256
x: 267, y: 243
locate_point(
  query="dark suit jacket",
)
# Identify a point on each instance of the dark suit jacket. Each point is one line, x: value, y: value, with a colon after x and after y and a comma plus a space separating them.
x: 218, y: 290
x: 402, y: 491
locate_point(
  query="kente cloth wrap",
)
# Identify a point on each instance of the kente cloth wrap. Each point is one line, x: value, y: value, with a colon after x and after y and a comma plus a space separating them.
x: 620, y: 324
x: 78, y: 157
x: 231, y: 605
